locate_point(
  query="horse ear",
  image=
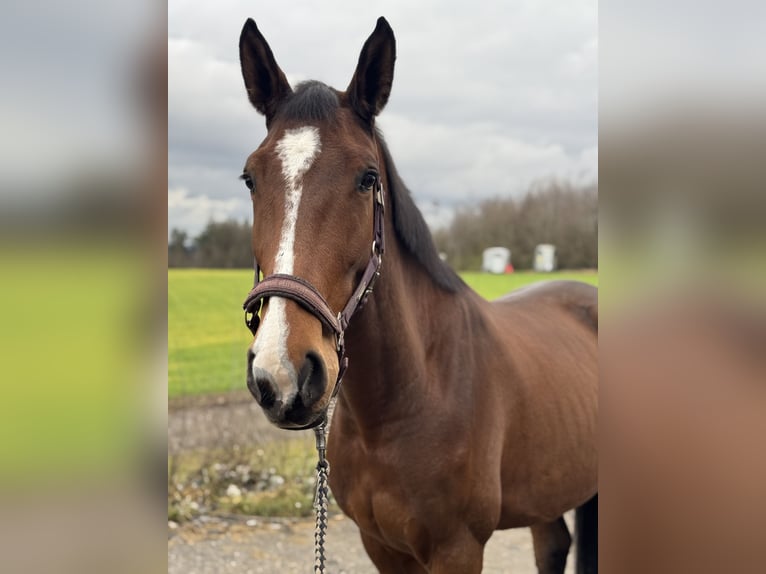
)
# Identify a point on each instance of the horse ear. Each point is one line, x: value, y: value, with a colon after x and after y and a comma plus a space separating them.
x: 266, y: 84
x: 371, y: 85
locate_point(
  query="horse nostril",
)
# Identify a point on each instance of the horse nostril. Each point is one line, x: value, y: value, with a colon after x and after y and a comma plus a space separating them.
x: 266, y: 390
x: 260, y: 383
x: 312, y: 379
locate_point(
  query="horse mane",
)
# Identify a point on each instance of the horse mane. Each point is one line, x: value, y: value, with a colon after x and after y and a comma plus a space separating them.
x: 412, y: 230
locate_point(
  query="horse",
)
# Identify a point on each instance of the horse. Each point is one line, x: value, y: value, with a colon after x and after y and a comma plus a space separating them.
x: 457, y: 416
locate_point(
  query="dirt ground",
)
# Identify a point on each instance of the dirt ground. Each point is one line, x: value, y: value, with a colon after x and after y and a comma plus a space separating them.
x: 214, y: 421
x: 237, y: 545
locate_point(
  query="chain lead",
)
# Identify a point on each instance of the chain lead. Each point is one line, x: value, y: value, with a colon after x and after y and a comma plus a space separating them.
x: 320, y: 498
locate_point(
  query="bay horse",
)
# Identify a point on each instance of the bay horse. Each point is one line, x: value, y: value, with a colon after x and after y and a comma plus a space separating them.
x: 457, y: 416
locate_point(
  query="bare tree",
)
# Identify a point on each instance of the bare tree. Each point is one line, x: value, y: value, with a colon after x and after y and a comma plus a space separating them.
x: 554, y: 212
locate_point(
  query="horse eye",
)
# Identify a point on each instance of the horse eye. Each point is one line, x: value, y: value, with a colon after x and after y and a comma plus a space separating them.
x: 248, y: 182
x: 369, y: 179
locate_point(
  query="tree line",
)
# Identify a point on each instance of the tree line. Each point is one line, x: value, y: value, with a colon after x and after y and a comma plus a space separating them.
x: 554, y: 212
x: 558, y: 213
x: 223, y: 244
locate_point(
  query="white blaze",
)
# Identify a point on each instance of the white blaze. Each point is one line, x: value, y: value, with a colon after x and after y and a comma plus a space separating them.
x: 296, y: 150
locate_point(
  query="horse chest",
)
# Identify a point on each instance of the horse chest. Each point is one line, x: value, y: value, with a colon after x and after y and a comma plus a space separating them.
x: 375, y: 495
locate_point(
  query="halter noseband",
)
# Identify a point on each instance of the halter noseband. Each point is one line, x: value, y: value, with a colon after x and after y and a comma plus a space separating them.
x: 306, y: 295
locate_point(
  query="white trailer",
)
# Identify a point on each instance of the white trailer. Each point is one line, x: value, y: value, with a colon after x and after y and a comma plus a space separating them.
x: 496, y: 260
x: 545, y: 258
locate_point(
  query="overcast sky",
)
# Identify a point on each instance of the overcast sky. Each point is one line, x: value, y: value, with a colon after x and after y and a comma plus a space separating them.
x: 487, y: 96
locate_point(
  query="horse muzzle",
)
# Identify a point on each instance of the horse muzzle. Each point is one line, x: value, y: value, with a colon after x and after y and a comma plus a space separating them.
x: 290, y: 399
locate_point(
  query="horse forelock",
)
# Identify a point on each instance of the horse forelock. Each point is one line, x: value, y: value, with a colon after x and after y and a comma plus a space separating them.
x: 311, y: 101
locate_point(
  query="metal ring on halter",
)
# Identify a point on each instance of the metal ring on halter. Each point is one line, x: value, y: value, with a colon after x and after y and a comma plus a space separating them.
x: 340, y: 338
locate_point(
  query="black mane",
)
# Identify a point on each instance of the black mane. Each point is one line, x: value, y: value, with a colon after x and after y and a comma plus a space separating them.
x: 412, y: 230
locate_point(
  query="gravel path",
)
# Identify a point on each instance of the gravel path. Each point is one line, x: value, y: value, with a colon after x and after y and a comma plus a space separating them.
x: 221, y: 546
x: 236, y: 545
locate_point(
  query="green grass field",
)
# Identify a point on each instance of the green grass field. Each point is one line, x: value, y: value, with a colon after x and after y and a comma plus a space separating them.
x: 207, y: 337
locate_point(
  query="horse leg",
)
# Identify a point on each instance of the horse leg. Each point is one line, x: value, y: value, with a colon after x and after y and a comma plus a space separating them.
x: 461, y: 555
x: 389, y: 561
x: 551, y: 542
x: 586, y: 536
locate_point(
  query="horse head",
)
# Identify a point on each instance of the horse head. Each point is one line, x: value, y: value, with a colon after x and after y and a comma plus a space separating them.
x: 313, y: 183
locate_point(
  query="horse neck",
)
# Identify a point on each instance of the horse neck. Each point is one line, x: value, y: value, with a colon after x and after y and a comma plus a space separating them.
x: 388, y: 342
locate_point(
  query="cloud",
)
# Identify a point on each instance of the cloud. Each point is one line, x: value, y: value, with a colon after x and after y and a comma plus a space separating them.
x: 484, y: 101
x: 458, y: 163
x: 210, y: 121
x: 192, y: 212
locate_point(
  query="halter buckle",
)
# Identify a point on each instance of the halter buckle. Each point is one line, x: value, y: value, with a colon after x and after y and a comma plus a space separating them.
x: 252, y: 319
x: 340, y: 341
x: 320, y: 434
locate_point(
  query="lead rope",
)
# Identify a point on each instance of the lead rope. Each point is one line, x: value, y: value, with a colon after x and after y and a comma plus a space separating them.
x: 321, y: 501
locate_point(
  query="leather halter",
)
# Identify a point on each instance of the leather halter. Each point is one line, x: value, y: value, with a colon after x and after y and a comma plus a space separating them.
x: 306, y: 295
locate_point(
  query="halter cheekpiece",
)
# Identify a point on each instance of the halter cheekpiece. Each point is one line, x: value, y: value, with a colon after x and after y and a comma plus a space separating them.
x: 306, y: 295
